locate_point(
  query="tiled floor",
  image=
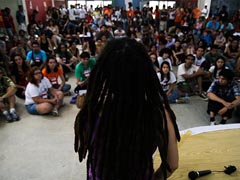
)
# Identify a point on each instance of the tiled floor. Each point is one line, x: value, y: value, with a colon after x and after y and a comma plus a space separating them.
x: 41, y: 147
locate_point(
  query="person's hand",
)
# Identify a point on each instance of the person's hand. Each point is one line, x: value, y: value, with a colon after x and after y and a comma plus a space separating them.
x: 227, y: 105
x: 53, y: 100
x: 80, y: 83
x: 222, y: 111
x: 1, y: 99
x: 69, y: 66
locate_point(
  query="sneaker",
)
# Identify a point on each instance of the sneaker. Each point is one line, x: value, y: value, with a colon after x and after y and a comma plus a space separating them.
x: 73, y: 100
x: 8, y: 118
x: 212, y: 123
x: 180, y: 101
x: 14, y: 116
x: 54, y: 112
x: 223, y: 121
x: 204, y: 96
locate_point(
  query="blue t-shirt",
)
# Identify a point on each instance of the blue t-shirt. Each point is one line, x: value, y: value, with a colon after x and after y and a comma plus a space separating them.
x: 36, y: 58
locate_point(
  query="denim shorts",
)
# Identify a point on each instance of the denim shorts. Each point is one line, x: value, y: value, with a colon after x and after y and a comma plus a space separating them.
x: 32, y: 109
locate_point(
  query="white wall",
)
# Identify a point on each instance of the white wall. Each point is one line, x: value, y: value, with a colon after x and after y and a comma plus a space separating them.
x: 201, y: 4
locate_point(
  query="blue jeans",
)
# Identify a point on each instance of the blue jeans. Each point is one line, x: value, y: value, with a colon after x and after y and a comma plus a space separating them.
x: 173, y: 96
x: 32, y: 109
x: 231, y: 64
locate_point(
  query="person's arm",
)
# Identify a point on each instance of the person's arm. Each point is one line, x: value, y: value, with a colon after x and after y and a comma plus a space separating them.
x: 214, y: 97
x: 173, y: 157
x: 39, y: 100
x: 10, y: 92
x: 63, y: 81
x: 11, y: 89
x: 170, y: 90
x: 194, y: 74
x: 53, y: 92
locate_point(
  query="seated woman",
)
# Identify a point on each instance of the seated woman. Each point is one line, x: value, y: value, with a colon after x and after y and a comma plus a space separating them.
x: 65, y: 59
x: 52, y: 71
x: 217, y: 68
x: 19, y: 72
x: 168, y: 80
x: 153, y: 57
x: 41, y: 97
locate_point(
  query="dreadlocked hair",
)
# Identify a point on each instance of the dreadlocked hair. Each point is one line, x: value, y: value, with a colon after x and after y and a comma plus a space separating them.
x: 123, y: 120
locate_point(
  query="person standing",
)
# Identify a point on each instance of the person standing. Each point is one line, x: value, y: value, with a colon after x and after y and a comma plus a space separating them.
x: 20, y: 16
x: 8, y: 22
x: 125, y: 103
x: 204, y: 12
x: 2, y: 25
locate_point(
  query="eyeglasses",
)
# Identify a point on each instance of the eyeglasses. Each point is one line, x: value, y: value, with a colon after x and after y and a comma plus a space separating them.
x: 36, y: 73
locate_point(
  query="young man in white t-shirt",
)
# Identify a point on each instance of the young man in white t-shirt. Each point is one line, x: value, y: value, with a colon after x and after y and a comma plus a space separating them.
x: 187, y: 75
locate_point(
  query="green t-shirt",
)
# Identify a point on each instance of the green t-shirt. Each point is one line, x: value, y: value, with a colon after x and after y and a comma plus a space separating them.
x: 212, y: 59
x: 82, y: 72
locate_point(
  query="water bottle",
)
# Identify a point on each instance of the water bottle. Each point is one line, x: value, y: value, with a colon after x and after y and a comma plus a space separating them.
x: 186, y: 98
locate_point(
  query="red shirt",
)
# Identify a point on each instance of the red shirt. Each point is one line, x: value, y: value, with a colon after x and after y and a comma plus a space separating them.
x: 1, y: 20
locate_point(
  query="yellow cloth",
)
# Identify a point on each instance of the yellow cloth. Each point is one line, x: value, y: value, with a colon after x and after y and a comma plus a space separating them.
x: 211, y: 150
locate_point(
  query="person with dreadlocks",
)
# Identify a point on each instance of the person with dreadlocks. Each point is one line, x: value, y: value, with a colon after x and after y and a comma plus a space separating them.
x: 125, y: 118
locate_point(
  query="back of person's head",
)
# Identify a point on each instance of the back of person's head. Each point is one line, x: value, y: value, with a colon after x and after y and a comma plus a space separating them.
x: 125, y: 97
x: 227, y: 74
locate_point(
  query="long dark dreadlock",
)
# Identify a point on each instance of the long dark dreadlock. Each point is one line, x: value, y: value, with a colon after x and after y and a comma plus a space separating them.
x: 123, y: 120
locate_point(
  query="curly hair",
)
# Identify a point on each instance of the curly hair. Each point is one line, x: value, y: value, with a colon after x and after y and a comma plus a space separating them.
x: 123, y: 118
x: 31, y: 78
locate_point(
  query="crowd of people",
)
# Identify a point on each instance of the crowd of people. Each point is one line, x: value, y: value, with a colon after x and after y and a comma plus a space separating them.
x: 197, y: 44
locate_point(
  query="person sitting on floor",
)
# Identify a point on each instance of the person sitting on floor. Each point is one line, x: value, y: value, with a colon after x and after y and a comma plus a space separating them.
x: 7, y: 95
x: 52, y: 71
x: 19, y: 72
x: 36, y: 57
x: 187, y: 75
x: 41, y: 97
x: 168, y: 80
x: 224, y: 96
x: 82, y: 73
